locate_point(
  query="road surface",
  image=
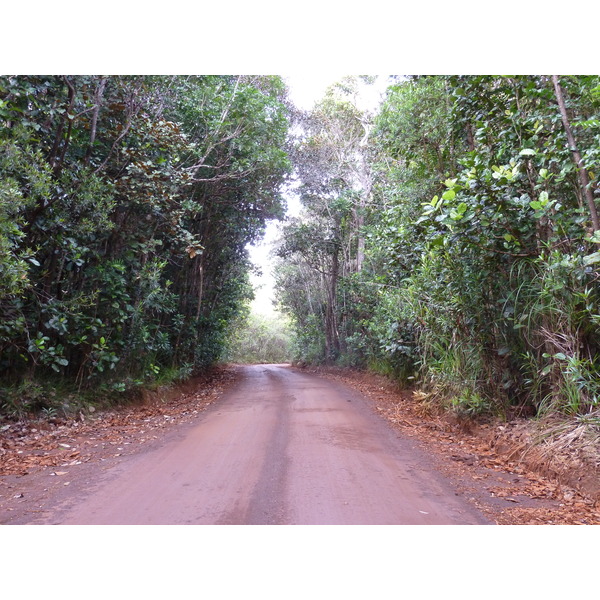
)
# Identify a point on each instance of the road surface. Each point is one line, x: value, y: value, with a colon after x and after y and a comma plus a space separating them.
x: 281, y: 447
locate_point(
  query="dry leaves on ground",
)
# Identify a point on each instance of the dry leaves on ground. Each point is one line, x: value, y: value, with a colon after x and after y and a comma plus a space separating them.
x: 30, y: 445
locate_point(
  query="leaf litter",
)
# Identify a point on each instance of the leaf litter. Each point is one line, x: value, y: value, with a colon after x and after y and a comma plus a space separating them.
x: 31, y: 447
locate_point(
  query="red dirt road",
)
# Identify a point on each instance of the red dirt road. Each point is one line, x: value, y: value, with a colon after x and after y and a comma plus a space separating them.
x: 281, y: 447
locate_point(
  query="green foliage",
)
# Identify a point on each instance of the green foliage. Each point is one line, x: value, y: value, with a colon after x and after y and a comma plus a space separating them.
x: 498, y: 288
x: 555, y: 311
x: 446, y: 241
x: 480, y: 278
x: 126, y: 204
x: 323, y: 249
x: 257, y: 338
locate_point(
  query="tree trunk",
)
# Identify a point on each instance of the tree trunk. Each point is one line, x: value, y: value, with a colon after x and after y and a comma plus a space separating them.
x: 331, y: 329
x: 94, y: 124
x: 470, y: 138
x: 366, y: 183
x: 58, y: 161
x: 583, y: 176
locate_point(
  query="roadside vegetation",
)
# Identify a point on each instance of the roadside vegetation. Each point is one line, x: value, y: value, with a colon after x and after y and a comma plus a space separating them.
x: 260, y: 338
x: 451, y: 241
x: 126, y: 204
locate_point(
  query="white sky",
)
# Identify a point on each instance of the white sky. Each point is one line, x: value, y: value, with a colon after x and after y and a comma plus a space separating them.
x: 305, y: 90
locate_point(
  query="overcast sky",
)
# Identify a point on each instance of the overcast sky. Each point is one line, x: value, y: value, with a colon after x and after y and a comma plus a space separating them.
x: 305, y: 90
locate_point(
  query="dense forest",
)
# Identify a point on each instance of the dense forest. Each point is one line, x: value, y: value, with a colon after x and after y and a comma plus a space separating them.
x: 451, y: 240
x: 126, y: 204
x: 448, y: 239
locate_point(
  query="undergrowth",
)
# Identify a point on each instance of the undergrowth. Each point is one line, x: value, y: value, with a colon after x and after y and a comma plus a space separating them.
x: 61, y: 398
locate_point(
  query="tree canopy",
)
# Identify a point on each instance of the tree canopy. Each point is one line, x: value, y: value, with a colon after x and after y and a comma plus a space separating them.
x: 448, y: 239
x: 473, y: 267
x: 126, y: 204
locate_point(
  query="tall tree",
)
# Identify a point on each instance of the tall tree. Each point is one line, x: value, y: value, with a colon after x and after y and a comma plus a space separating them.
x: 126, y: 204
x: 583, y: 174
x: 335, y: 187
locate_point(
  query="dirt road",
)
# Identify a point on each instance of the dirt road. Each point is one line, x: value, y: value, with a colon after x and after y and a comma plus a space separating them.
x: 281, y: 447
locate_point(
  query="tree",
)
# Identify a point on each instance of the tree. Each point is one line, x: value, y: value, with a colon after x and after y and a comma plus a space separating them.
x: 126, y: 204
x: 505, y: 226
x: 335, y: 188
x: 479, y: 276
x: 583, y: 174
x: 256, y: 338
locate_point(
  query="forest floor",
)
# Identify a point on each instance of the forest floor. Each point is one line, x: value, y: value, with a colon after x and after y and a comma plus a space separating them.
x: 494, y: 463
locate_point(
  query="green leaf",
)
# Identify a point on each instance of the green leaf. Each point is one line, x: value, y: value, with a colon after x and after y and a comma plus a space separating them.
x: 595, y: 237
x: 527, y: 152
x: 449, y: 195
x: 591, y: 259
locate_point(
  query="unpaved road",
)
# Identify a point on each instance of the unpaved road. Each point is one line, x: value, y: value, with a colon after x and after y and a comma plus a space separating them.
x: 281, y: 447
